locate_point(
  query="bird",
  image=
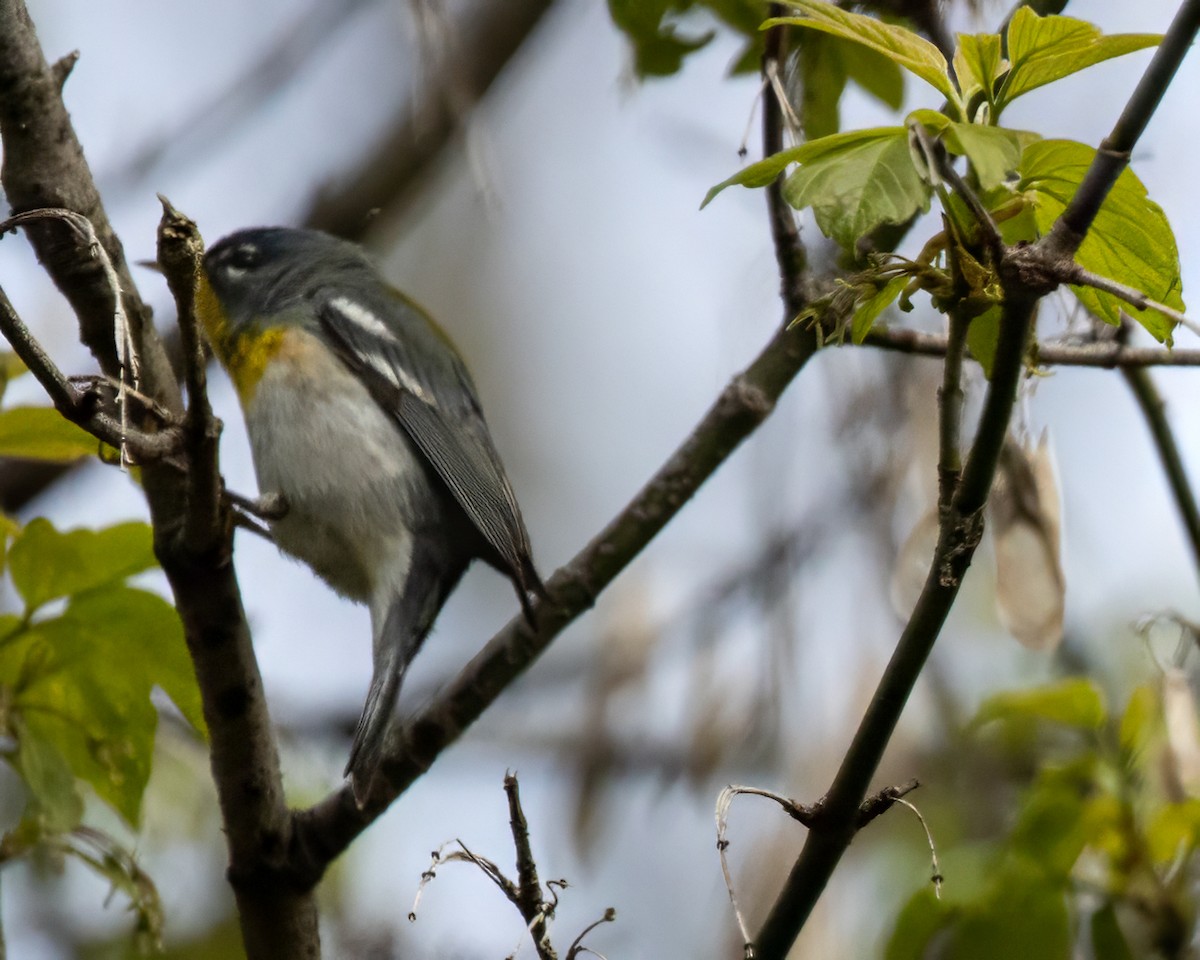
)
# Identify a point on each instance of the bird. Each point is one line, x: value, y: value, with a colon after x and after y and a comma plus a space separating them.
x: 374, y: 463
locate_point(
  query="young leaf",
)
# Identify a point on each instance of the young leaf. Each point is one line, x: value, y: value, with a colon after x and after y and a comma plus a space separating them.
x: 11, y: 367
x: 46, y: 564
x: 658, y: 49
x: 1044, y: 49
x: 1108, y: 942
x: 994, y: 152
x: 913, y: 53
x: 868, y: 310
x: 857, y: 183
x: 978, y: 64
x: 54, y: 794
x: 1173, y: 828
x: 982, y: 337
x: 42, y: 433
x: 1025, y: 916
x: 1075, y: 702
x: 823, y: 151
x: 919, y: 920
x: 825, y: 63
x: 109, y: 649
x: 1130, y: 240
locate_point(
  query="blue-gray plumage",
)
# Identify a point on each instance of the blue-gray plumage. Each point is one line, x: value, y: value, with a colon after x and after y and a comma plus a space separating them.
x: 363, y: 419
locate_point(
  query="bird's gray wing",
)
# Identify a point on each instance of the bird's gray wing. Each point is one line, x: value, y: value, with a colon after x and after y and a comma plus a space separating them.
x: 417, y: 377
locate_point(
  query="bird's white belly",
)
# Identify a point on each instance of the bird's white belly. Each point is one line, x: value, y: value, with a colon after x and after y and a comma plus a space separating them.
x: 344, y: 467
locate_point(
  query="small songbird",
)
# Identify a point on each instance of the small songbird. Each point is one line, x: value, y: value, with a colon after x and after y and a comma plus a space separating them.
x: 368, y: 443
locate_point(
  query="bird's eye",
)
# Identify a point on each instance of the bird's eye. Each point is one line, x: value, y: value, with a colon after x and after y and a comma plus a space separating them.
x: 244, y: 257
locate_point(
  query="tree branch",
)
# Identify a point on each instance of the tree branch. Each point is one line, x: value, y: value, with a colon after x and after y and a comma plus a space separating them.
x: 80, y: 407
x: 195, y: 547
x: 1026, y: 275
x: 44, y: 167
x: 1107, y: 355
x: 1113, y: 155
x: 325, y: 830
x: 1150, y: 402
x: 1077, y: 275
x: 530, y: 899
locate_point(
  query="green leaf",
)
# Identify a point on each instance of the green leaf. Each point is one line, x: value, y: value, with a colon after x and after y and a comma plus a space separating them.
x: 1074, y: 702
x: 983, y: 334
x: 1024, y: 917
x: 822, y: 80
x: 1142, y: 717
x: 978, y: 64
x: 764, y: 171
x: 658, y: 49
x: 55, y: 797
x: 825, y: 62
x: 109, y: 649
x: 994, y: 153
x: 42, y: 433
x: 46, y: 564
x: 877, y: 74
x: 1130, y: 240
x: 1051, y: 831
x: 868, y: 310
x: 1173, y: 829
x: 11, y: 367
x: 1044, y: 49
x: 919, y: 920
x: 902, y: 46
x: 1108, y: 942
x: 856, y: 182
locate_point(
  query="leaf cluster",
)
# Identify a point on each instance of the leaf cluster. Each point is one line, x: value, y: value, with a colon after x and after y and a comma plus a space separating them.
x: 78, y: 664
x: 1097, y: 833
x: 859, y: 181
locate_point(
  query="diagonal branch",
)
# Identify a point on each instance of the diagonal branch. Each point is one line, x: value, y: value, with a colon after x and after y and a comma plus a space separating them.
x: 1075, y: 274
x: 325, y: 830
x: 1113, y: 155
x: 1106, y: 355
x: 1026, y: 275
x: 81, y: 407
x: 1150, y: 402
x: 44, y: 167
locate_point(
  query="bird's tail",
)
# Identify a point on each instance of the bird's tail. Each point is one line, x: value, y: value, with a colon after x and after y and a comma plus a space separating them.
x: 373, y: 724
x: 406, y: 623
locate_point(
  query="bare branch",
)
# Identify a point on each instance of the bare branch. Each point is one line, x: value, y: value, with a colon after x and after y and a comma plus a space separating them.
x: 577, y: 946
x: 81, y: 407
x: 530, y: 900
x: 1074, y: 273
x: 1106, y: 355
x: 1150, y: 402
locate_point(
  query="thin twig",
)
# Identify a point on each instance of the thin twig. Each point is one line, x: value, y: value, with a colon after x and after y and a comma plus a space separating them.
x: 936, y: 871
x: 577, y: 946
x: 530, y: 900
x: 1150, y: 402
x: 129, y: 366
x: 1074, y: 273
x: 180, y: 252
x: 1107, y: 355
x: 79, y: 406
